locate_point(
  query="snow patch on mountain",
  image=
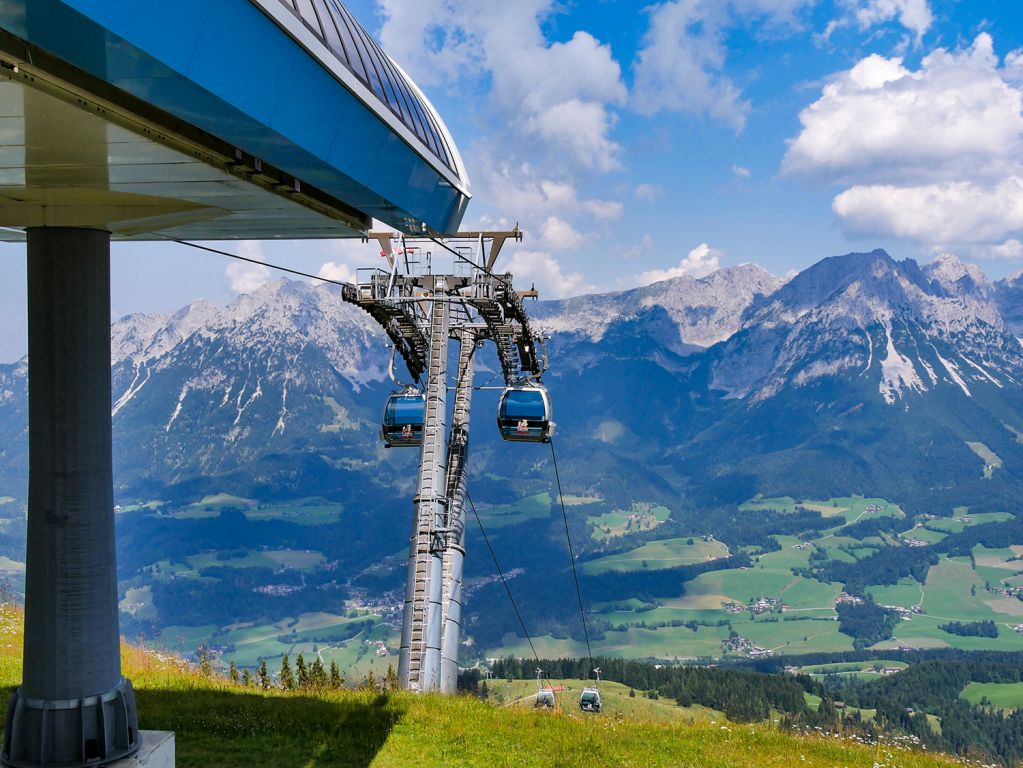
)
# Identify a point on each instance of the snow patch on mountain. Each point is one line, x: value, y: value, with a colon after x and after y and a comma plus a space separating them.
x: 897, y: 373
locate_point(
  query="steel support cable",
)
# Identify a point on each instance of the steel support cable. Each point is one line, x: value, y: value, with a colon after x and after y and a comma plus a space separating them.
x: 571, y: 554
x: 504, y: 580
x: 252, y: 261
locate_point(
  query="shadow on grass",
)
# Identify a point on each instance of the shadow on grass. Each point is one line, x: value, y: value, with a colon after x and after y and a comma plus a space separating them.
x: 229, y: 729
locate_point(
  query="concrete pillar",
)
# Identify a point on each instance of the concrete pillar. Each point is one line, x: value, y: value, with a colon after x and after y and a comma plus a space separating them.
x: 73, y: 708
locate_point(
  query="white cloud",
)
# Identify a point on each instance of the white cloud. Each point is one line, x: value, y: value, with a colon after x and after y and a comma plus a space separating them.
x: 544, y: 271
x: 741, y: 171
x: 245, y: 277
x: 337, y: 271
x: 981, y: 214
x: 645, y: 245
x: 679, y: 67
x: 914, y: 15
x: 933, y: 155
x: 556, y: 98
x: 882, y: 121
x: 559, y: 235
x: 699, y: 262
x: 523, y: 192
x: 1011, y: 250
x: 648, y: 193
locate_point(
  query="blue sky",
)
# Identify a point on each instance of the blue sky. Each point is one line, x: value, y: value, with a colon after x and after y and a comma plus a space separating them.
x: 637, y: 141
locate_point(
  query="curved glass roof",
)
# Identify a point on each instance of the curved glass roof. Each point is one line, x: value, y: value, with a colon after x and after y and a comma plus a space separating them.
x: 336, y: 28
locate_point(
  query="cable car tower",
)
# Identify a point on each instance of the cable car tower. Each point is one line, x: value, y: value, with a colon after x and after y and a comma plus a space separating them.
x: 421, y: 310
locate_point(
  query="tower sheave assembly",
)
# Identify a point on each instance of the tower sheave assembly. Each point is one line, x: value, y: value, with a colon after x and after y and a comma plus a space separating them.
x: 421, y: 309
x: 207, y: 120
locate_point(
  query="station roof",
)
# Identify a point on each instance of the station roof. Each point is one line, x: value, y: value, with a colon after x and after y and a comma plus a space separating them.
x: 214, y: 119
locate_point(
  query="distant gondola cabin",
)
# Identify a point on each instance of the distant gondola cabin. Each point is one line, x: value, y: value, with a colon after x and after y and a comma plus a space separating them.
x: 403, y: 420
x: 589, y: 701
x: 524, y: 415
x: 544, y: 699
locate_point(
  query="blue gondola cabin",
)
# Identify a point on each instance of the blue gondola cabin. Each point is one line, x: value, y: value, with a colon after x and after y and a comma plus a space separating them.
x: 524, y: 415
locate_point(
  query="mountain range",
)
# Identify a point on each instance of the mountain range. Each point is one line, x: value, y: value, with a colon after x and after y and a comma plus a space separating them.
x: 829, y: 381
x: 860, y: 375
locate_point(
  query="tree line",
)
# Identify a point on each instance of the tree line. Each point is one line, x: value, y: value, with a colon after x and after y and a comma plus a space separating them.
x: 742, y: 696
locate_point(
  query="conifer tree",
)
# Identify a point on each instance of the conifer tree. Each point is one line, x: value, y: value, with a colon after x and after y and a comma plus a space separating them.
x: 264, y: 675
x: 336, y: 681
x: 317, y: 674
x: 205, y: 663
x: 371, y: 681
x: 287, y: 679
x: 232, y: 673
x: 246, y: 678
x: 392, y: 678
x: 303, y: 672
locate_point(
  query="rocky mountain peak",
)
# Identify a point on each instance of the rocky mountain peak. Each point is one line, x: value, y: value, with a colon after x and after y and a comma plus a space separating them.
x: 705, y: 310
x: 956, y: 276
x: 868, y: 316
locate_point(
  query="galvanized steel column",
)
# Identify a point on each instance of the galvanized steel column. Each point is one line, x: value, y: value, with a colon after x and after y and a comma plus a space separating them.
x: 454, y: 554
x: 419, y: 662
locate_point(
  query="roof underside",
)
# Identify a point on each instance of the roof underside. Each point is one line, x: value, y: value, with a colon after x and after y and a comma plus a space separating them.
x: 212, y: 119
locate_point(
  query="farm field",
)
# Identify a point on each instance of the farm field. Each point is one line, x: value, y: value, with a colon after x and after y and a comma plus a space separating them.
x: 641, y: 516
x: 356, y: 642
x: 312, y: 514
x: 1001, y: 695
x: 799, y: 614
x: 529, y: 508
x: 668, y: 553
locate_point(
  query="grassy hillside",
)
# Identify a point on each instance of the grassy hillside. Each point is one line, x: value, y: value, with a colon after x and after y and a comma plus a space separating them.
x: 221, y: 724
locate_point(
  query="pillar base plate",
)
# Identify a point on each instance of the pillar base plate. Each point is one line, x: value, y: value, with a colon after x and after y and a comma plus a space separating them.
x: 71, y: 733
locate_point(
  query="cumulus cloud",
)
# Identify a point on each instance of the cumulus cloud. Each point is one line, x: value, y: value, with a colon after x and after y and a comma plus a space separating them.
x: 924, y: 213
x: 245, y: 277
x: 933, y: 154
x: 645, y: 245
x: 648, y: 193
x: 679, y: 66
x: 525, y: 191
x: 741, y: 171
x: 337, y: 271
x: 559, y: 235
x: 955, y: 114
x: 699, y: 262
x: 545, y: 111
x: 1010, y: 249
x: 545, y: 272
x: 557, y: 97
x: 914, y: 15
